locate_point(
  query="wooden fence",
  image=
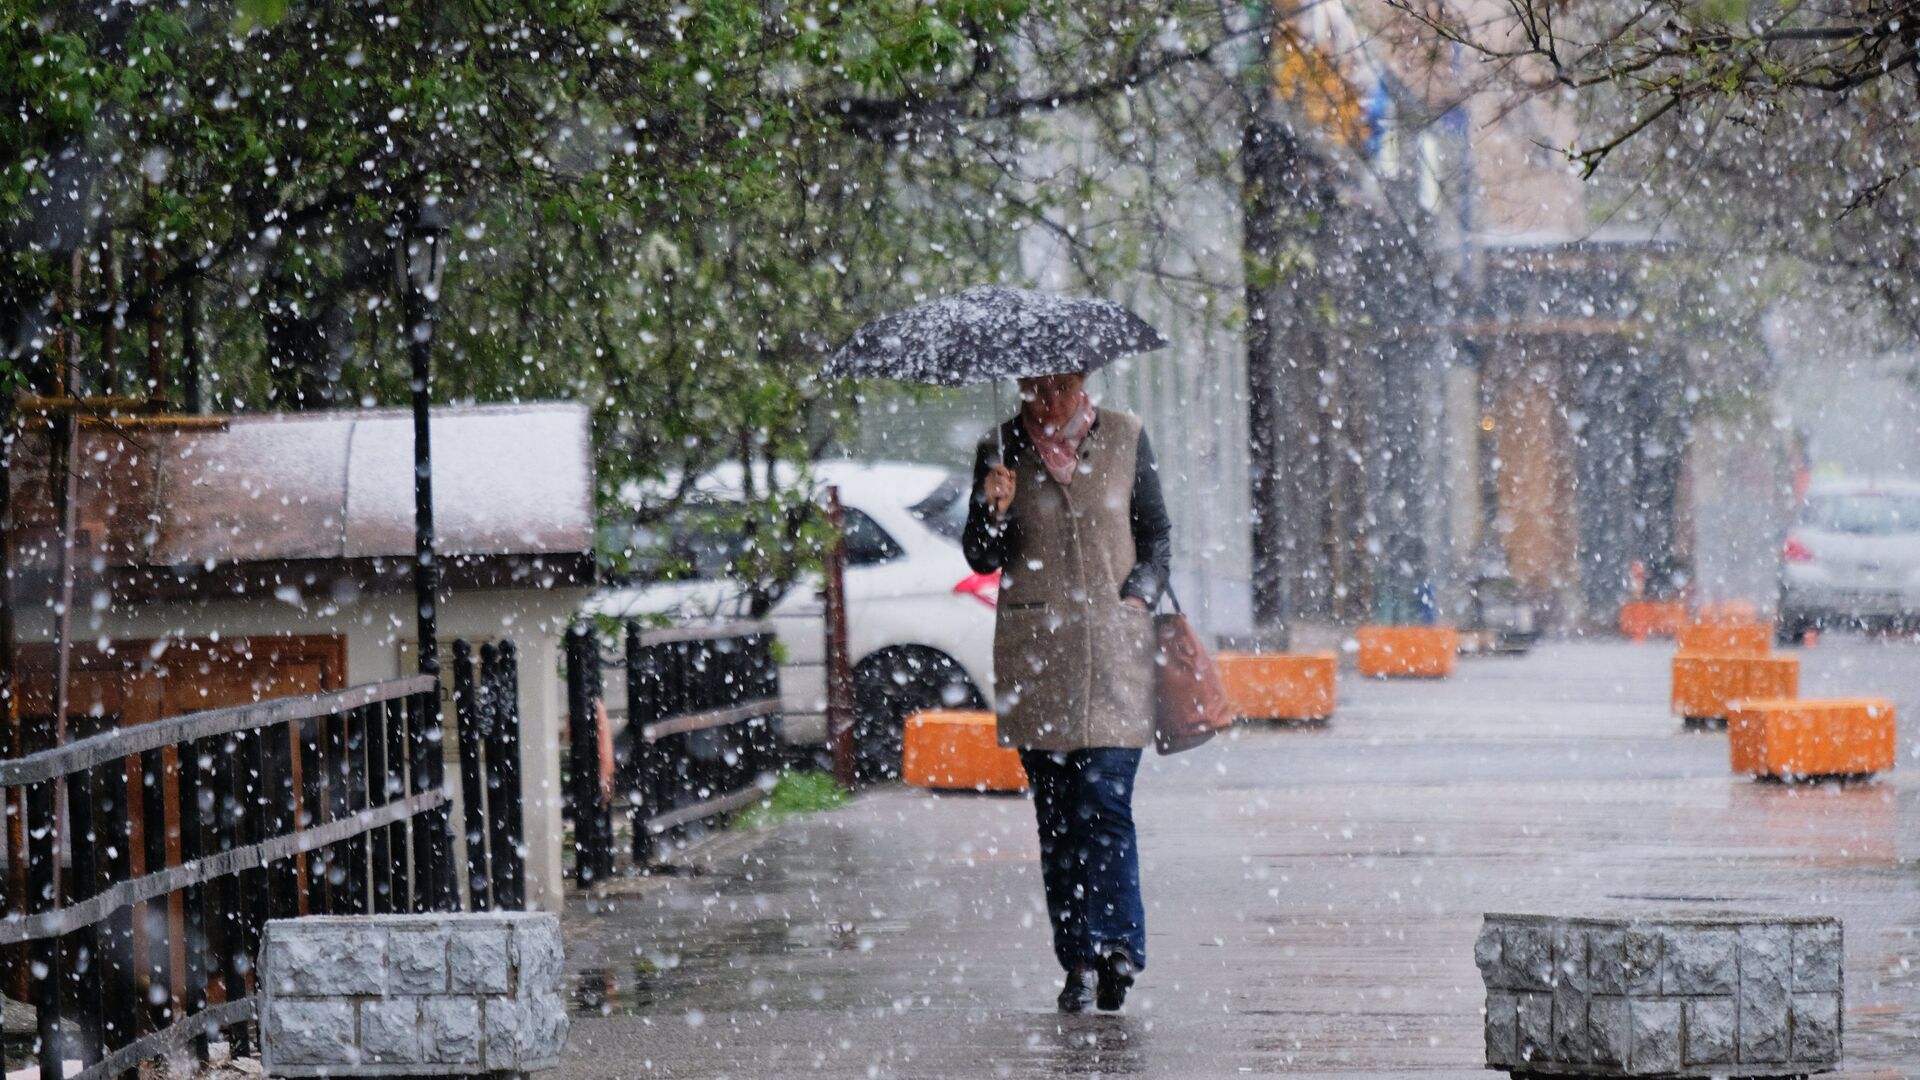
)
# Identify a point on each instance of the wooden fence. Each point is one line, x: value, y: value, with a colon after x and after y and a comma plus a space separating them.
x: 153, y: 856
x: 701, y: 741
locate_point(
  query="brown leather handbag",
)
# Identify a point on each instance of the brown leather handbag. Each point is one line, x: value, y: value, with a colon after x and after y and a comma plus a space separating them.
x: 1190, y: 703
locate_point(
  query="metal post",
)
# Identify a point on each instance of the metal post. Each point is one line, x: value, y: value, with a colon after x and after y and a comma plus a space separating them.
x: 467, y: 711
x: 839, y: 657
x: 591, y: 859
x: 635, y: 775
x: 426, y: 573
x: 422, y: 266
x: 506, y: 814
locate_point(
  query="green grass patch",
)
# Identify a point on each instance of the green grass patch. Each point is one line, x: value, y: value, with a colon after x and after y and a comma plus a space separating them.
x: 795, y: 792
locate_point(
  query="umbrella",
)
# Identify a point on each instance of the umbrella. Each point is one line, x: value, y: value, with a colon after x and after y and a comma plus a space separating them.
x: 989, y: 333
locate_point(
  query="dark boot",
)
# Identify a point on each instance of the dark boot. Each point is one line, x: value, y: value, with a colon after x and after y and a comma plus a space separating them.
x: 1116, y: 978
x: 1078, y: 993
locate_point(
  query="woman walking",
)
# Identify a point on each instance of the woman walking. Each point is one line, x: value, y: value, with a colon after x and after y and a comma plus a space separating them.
x: 1067, y: 504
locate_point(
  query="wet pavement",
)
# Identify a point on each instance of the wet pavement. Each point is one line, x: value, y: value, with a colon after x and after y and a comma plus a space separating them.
x: 1312, y: 893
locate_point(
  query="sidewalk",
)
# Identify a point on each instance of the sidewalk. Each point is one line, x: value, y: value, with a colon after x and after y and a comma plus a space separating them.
x: 1312, y: 895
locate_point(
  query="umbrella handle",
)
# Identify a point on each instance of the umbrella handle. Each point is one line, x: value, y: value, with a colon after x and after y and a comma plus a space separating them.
x: 999, y: 429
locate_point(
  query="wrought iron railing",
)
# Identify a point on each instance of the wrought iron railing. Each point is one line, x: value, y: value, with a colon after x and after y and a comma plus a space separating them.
x: 487, y: 706
x: 153, y: 856
x: 701, y: 740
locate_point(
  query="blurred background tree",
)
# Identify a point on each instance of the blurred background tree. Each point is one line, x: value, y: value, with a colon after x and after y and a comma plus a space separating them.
x: 670, y: 212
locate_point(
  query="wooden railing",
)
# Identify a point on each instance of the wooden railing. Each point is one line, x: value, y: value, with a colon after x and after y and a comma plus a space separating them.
x: 702, y: 739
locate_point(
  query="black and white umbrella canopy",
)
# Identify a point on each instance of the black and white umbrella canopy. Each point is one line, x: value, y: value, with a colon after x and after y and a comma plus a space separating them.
x: 988, y: 333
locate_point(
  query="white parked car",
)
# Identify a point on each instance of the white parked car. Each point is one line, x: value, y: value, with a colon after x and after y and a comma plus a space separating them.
x: 919, y: 620
x: 1852, y: 558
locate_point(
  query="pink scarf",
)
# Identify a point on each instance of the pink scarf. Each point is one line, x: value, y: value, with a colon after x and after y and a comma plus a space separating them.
x: 1060, y: 448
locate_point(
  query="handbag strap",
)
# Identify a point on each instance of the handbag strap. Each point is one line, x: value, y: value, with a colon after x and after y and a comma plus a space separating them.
x: 1167, y: 593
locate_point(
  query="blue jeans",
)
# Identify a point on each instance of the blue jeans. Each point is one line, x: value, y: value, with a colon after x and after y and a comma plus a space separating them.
x: 1089, y: 860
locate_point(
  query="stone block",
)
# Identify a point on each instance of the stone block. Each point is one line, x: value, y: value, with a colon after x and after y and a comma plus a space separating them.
x: 1765, y: 1030
x: 1535, y: 1016
x: 1673, y: 997
x: 390, y: 1031
x: 450, y: 1030
x: 412, y: 995
x: 1570, y: 957
x: 1816, y: 1027
x: 538, y: 958
x: 310, y: 1033
x: 1570, y: 1042
x: 1527, y: 952
x: 1817, y: 953
x: 1502, y: 1028
x: 1713, y: 1031
x: 477, y: 962
x: 1656, y: 1036
x: 1624, y: 961
x: 417, y: 961
x: 1486, y: 957
x: 1766, y: 972
x: 320, y: 958
x: 1609, y: 1030
x: 1701, y: 961
x: 525, y: 1033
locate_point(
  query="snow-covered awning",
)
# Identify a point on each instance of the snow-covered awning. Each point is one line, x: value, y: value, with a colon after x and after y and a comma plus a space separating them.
x: 509, y: 481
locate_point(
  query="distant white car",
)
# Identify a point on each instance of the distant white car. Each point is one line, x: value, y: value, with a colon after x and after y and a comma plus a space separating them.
x: 1852, y: 558
x: 919, y: 620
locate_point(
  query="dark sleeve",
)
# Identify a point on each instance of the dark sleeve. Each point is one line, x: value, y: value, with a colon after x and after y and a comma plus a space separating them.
x: 984, y: 542
x: 1152, y: 530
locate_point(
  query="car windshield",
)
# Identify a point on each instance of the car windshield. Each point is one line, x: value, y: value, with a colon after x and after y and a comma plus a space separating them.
x: 945, y: 510
x: 1864, y: 514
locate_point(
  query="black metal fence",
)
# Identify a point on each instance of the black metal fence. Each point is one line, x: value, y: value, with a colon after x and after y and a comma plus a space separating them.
x: 153, y: 856
x: 487, y: 707
x: 701, y: 738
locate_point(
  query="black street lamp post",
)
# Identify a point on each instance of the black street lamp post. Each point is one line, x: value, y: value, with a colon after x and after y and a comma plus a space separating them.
x: 423, y: 264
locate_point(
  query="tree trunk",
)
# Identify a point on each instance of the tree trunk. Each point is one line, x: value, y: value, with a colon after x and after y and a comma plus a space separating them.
x: 302, y: 367
x: 1285, y: 206
x: 1264, y: 150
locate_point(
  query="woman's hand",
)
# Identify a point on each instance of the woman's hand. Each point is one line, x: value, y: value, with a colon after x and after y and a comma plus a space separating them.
x: 1000, y: 487
x: 1134, y: 601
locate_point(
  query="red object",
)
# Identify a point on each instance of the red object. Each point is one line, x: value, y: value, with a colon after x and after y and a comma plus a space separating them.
x: 1795, y: 551
x: 982, y: 587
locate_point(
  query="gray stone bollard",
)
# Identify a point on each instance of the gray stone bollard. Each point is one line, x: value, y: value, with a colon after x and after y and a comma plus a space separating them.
x: 1748, y: 996
x: 411, y: 995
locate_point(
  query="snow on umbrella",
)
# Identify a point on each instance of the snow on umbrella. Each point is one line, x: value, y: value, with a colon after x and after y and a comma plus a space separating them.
x: 988, y: 333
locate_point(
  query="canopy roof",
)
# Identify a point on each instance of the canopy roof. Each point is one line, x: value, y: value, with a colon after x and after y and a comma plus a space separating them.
x: 509, y: 481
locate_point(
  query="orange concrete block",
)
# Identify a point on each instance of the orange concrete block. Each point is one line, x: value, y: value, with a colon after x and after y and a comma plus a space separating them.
x: 1726, y: 639
x: 1278, y: 686
x: 957, y: 750
x: 1408, y: 652
x: 1706, y: 686
x: 1729, y: 611
x: 1642, y: 619
x: 1793, y: 739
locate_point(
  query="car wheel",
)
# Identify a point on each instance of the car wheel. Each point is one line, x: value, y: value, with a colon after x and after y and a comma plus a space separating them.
x: 1791, y: 629
x: 890, y: 686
